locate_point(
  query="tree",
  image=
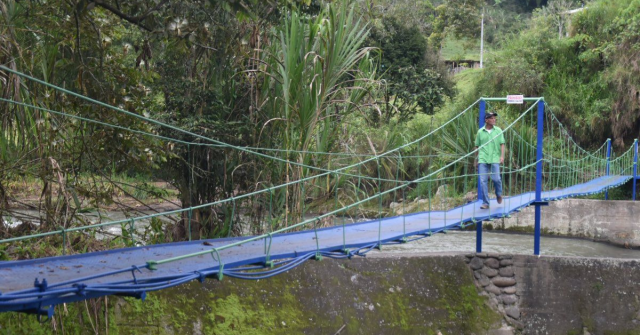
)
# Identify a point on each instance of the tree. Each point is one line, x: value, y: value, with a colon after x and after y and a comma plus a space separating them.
x: 69, y: 45
x: 413, y: 90
x: 461, y: 18
x: 411, y: 83
x: 557, y: 11
x: 315, y: 72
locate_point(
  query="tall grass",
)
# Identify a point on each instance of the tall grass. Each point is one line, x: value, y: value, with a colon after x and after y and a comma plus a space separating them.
x: 315, y: 74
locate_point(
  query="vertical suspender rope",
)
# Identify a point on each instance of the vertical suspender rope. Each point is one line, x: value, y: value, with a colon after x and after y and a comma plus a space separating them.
x: 214, y: 253
x: 443, y: 179
x: 64, y: 240
x: 270, y: 221
x: 521, y: 163
x: 358, y: 187
x: 635, y: 167
x: 550, y: 162
x: 379, y: 207
x: 131, y: 228
x: 563, y: 162
x: 561, y: 159
x: 604, y: 162
x: 233, y: 214
x: 571, y: 163
x: 606, y: 193
x: 513, y: 170
x: 267, y: 250
x: 190, y: 163
x: 429, y: 203
x: 344, y: 228
x: 531, y: 176
x: 418, y: 175
x: 190, y: 216
x: 505, y: 163
x: 502, y: 180
x: 303, y: 196
x: 404, y: 223
x: 464, y: 187
x: 576, y: 158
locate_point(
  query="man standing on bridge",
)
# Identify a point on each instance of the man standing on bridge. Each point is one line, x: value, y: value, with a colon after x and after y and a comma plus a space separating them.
x: 490, y: 140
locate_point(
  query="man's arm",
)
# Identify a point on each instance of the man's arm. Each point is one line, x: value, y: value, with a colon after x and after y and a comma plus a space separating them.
x: 501, y: 153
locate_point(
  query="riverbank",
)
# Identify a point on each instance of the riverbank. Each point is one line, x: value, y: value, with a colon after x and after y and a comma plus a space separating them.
x: 89, y: 194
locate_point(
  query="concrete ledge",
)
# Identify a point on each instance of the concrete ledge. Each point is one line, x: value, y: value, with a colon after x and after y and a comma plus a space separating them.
x: 412, y: 294
x: 372, y: 295
x: 570, y: 295
x: 616, y: 222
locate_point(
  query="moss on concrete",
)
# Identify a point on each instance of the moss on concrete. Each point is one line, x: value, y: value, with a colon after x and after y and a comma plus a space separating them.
x: 75, y: 318
x: 361, y: 296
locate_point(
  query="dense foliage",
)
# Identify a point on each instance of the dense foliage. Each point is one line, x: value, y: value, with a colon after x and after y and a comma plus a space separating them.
x: 218, y: 99
x: 588, y: 74
x: 282, y: 79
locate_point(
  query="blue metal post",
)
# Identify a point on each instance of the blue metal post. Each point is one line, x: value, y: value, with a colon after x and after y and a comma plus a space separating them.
x: 483, y: 108
x: 606, y: 193
x: 536, y: 242
x: 635, y: 167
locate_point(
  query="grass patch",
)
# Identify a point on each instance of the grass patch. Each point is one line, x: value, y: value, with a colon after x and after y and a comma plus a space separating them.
x: 461, y: 49
x: 466, y: 81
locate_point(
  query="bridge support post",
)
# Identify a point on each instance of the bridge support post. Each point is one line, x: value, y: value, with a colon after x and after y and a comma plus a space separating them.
x: 538, y: 202
x: 606, y: 193
x: 635, y: 167
x: 483, y: 108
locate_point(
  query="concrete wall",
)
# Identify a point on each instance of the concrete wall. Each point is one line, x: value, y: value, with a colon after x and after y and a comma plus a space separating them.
x: 408, y: 295
x: 563, y: 295
x: 413, y: 294
x: 617, y: 222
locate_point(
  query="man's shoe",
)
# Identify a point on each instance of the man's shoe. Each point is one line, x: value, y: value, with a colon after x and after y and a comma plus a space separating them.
x: 499, y: 199
x: 484, y: 206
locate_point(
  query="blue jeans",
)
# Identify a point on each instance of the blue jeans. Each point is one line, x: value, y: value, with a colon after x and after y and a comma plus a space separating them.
x: 485, y: 171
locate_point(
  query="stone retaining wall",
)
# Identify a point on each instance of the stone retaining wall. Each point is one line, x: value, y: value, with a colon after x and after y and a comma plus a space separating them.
x: 495, y: 276
x: 561, y: 295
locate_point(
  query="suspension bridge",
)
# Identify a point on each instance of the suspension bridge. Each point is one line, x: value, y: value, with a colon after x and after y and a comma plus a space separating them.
x: 542, y: 164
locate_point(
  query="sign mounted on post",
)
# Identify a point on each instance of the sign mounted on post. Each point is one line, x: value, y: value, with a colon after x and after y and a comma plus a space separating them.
x: 515, y: 99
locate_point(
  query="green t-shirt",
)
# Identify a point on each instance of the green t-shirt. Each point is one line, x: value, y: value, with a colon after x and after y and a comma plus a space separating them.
x: 490, y: 153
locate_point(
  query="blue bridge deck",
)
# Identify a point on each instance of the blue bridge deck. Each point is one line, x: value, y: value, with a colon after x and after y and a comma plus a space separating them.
x: 125, y: 271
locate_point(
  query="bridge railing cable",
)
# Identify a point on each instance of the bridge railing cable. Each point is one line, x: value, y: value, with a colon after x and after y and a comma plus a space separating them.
x: 429, y: 178
x: 336, y: 173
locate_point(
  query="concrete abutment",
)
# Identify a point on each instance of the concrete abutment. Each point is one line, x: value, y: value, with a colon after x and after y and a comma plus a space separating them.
x: 410, y: 294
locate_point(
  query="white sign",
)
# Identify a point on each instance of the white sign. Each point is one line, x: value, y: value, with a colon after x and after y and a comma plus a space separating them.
x: 515, y: 99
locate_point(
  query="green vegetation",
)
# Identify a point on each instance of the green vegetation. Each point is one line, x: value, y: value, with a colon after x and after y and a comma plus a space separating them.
x: 460, y: 50
x: 310, y: 85
x: 298, y: 78
x: 587, y: 75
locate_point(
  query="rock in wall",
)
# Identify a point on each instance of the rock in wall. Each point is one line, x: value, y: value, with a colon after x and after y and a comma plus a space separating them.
x: 561, y: 295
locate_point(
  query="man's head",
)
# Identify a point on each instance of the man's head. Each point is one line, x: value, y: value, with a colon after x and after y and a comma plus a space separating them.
x: 490, y: 118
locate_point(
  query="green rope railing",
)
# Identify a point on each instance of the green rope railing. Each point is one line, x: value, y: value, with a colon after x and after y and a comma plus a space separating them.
x: 574, y: 162
x: 305, y: 222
